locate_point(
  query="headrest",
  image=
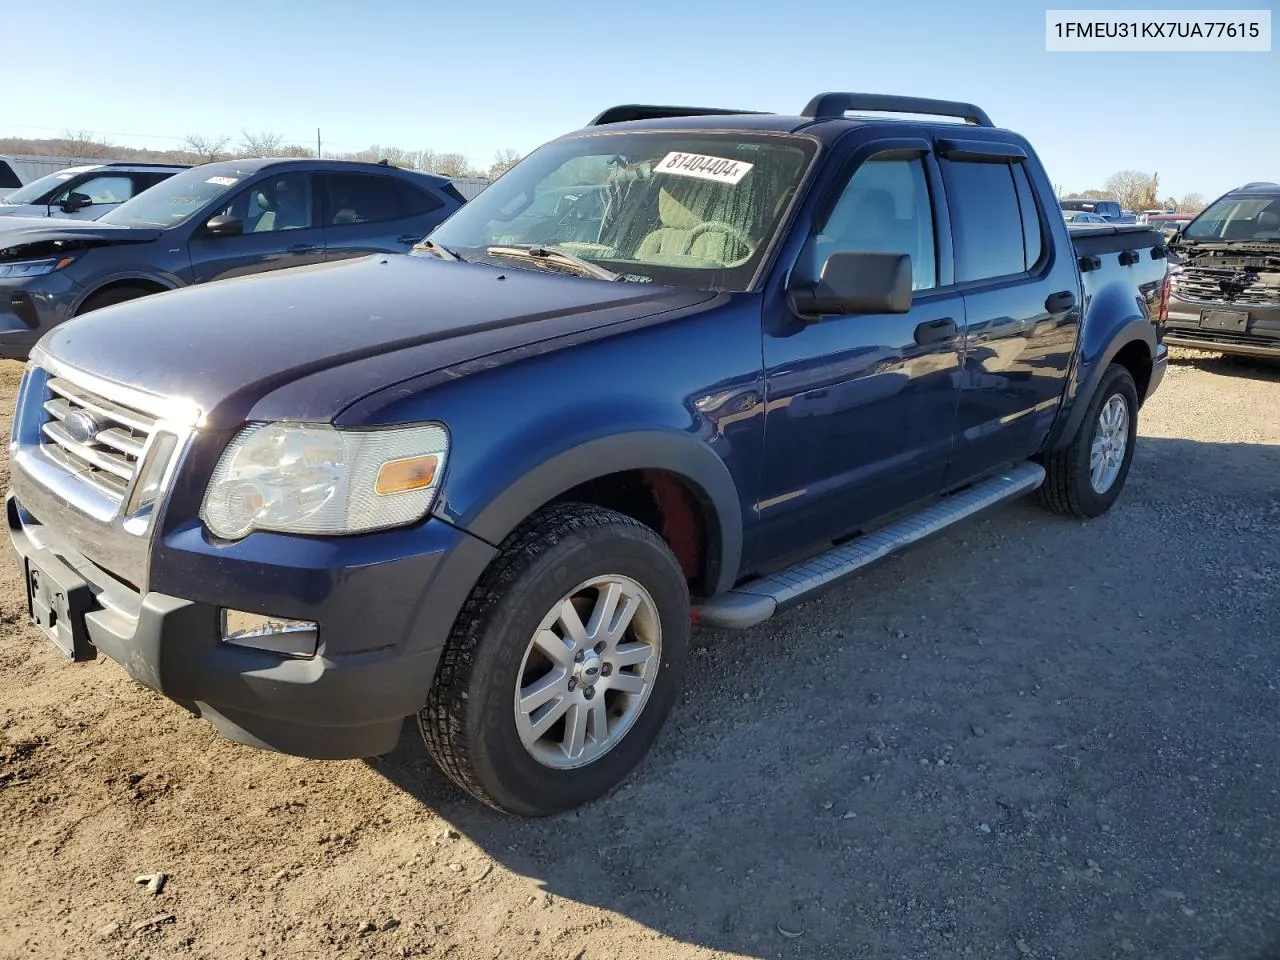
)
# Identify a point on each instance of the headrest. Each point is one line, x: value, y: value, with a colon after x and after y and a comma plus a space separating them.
x: 874, y: 204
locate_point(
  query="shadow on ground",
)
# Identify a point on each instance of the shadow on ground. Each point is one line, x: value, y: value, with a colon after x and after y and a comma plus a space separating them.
x: 1225, y: 365
x: 1026, y: 737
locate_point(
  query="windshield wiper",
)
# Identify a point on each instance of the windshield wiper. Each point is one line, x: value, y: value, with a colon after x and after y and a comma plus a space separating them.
x: 550, y: 254
x: 441, y: 251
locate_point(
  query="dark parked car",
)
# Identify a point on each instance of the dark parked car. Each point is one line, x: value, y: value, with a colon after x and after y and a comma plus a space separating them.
x: 1226, y: 291
x: 207, y: 223
x: 87, y: 192
x: 690, y: 368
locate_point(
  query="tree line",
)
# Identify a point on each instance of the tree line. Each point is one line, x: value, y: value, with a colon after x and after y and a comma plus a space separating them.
x: 198, y: 148
x: 1137, y: 190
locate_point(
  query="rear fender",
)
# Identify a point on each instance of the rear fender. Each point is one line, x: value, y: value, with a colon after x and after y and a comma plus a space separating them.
x: 1100, y: 342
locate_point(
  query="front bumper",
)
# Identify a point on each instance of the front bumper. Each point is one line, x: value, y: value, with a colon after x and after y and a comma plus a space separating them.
x: 331, y: 706
x: 29, y: 308
x: 1259, y: 336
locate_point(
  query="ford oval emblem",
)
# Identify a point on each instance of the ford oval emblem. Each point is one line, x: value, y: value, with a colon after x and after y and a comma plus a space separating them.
x: 81, y: 426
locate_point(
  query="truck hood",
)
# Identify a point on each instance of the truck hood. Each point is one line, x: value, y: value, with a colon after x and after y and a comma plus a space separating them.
x: 26, y: 238
x: 228, y: 345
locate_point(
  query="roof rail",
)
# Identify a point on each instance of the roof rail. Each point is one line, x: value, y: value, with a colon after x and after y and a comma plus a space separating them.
x: 140, y: 163
x: 827, y: 105
x: 1260, y: 183
x: 645, y: 111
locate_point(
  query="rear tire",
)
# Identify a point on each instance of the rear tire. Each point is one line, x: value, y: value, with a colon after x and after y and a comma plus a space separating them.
x: 1084, y: 478
x: 107, y: 298
x: 603, y: 683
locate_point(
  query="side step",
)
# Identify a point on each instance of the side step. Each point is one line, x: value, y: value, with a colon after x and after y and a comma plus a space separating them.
x: 757, y: 601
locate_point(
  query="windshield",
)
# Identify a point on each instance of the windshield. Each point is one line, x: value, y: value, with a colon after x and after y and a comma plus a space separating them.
x: 36, y: 189
x: 690, y: 209
x: 176, y: 199
x: 1253, y: 217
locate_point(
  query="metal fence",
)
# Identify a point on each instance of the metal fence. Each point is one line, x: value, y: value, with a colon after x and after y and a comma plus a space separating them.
x: 470, y: 187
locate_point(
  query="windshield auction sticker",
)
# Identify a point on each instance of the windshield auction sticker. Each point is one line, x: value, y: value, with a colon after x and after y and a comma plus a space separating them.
x: 224, y: 181
x: 703, y: 167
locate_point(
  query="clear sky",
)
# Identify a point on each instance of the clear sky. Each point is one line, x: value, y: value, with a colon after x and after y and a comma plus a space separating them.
x: 475, y: 77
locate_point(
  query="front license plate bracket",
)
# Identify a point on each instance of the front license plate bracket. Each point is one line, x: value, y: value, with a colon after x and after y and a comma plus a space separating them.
x: 57, y: 600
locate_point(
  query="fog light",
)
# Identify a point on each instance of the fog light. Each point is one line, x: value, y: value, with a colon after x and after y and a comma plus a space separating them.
x: 294, y: 638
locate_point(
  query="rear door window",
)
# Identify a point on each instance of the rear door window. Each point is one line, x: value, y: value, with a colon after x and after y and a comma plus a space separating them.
x: 1032, y: 235
x: 986, y: 220
x: 365, y: 198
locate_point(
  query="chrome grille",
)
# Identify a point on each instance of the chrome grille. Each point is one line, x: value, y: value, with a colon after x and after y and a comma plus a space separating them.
x: 1204, y: 285
x: 99, y: 441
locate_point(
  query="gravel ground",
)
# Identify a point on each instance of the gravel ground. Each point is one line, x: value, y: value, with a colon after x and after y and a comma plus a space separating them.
x: 1028, y: 737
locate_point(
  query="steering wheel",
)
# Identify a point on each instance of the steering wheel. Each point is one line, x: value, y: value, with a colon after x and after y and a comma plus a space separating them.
x: 725, y: 229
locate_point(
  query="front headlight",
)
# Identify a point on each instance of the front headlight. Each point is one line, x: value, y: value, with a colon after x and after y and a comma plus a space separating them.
x: 33, y: 268
x: 317, y: 479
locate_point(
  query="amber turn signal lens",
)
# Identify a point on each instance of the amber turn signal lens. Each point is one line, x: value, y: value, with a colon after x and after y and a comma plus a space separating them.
x: 411, y: 473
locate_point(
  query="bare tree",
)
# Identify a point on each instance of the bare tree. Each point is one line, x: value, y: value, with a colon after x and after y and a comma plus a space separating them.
x: 1132, y: 188
x: 425, y: 159
x: 503, y: 161
x: 1191, y: 203
x: 264, y: 144
x: 208, y: 149
x: 82, y: 143
x: 452, y: 165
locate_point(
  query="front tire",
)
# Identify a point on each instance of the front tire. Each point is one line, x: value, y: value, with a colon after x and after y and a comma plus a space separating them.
x: 107, y: 298
x: 1084, y: 478
x: 563, y: 664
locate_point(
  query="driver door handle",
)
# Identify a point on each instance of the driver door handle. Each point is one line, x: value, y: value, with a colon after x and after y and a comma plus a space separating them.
x: 301, y: 248
x: 935, y: 331
x: 1059, y: 302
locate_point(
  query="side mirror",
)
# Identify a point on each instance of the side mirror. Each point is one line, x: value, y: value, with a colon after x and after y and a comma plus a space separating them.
x: 855, y: 281
x: 76, y: 201
x: 223, y: 225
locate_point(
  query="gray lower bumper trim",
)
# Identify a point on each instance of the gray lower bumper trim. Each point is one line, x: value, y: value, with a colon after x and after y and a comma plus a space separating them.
x: 758, y: 600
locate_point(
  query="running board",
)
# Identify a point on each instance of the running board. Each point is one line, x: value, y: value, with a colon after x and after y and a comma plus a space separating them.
x: 758, y: 600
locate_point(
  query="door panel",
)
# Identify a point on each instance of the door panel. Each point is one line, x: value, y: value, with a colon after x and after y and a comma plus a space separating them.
x: 860, y: 409
x: 1017, y: 340
x: 280, y: 231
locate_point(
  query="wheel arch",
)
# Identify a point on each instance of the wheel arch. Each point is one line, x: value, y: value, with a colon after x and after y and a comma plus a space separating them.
x: 149, y: 284
x: 1131, y: 344
x: 683, y: 478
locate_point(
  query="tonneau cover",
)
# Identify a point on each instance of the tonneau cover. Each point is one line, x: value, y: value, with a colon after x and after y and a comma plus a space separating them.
x: 1095, y: 239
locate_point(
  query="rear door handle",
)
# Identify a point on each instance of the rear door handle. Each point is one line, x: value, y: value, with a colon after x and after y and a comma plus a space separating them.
x: 935, y: 331
x: 301, y: 248
x: 408, y: 238
x: 1059, y: 302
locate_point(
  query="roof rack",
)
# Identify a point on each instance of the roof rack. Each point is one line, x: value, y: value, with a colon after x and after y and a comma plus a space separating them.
x: 646, y: 111
x: 827, y: 105
x: 1260, y: 183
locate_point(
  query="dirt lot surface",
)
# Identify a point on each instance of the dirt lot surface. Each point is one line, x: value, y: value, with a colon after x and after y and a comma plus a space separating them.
x: 1028, y: 737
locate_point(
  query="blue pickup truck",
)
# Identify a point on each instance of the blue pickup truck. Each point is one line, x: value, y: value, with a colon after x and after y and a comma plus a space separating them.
x: 683, y: 366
